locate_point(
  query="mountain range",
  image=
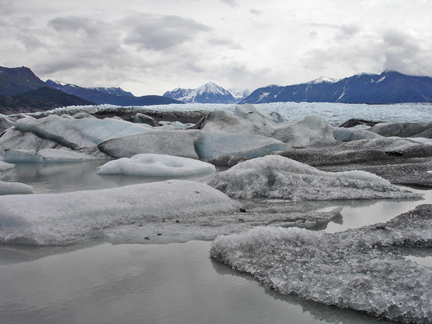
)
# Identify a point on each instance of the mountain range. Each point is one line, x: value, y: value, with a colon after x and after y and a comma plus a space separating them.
x: 112, y: 96
x: 208, y: 93
x: 385, y: 88
x: 22, y: 91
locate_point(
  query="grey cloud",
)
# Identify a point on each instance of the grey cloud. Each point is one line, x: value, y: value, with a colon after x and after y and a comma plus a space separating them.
x: 6, y: 7
x: 402, y: 52
x: 224, y: 43
x: 232, y: 3
x: 255, y: 12
x: 392, y: 50
x: 313, y: 34
x: 346, y: 32
x: 31, y: 42
x: 154, y: 32
x: 74, y: 24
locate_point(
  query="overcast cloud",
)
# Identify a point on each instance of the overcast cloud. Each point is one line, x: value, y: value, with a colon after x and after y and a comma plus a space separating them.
x: 149, y: 47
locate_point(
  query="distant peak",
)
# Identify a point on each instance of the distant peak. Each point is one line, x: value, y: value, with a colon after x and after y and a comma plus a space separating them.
x: 323, y: 79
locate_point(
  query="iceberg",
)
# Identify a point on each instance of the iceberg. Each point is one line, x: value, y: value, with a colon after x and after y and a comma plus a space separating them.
x: 5, y: 123
x: 215, y: 145
x: 66, y: 218
x: 176, y: 143
x: 15, y: 139
x: 156, y: 165
x: 350, y: 134
x: 274, y: 176
x: 254, y: 115
x: 14, y: 188
x: 362, y: 269
x: 222, y: 122
x: 79, y: 133
x: 404, y: 129
x: 312, y: 131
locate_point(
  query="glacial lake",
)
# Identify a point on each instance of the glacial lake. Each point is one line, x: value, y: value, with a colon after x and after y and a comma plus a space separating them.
x: 98, y: 282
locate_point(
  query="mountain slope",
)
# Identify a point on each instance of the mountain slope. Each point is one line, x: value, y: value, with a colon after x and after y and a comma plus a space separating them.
x: 387, y: 87
x: 17, y: 80
x: 208, y: 93
x: 38, y: 100
x: 110, y: 95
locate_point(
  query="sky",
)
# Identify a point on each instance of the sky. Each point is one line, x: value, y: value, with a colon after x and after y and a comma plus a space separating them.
x: 149, y: 47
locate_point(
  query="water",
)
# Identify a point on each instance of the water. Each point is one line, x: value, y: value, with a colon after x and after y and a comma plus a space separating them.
x: 175, y: 283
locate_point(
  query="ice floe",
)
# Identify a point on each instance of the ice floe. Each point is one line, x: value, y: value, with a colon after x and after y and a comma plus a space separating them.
x: 156, y: 165
x: 361, y: 269
x: 274, y: 176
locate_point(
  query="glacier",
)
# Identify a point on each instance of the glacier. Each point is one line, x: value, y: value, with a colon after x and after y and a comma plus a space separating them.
x: 362, y: 269
x: 334, y: 114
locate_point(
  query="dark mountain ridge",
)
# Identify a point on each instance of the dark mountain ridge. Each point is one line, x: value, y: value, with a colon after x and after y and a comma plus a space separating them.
x: 104, y: 96
x: 385, y: 88
x: 17, y: 80
x: 40, y: 99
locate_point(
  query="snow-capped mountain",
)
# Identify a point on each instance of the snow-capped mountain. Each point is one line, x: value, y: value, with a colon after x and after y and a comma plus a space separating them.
x: 387, y: 87
x: 239, y: 94
x: 208, y: 93
x: 115, y: 91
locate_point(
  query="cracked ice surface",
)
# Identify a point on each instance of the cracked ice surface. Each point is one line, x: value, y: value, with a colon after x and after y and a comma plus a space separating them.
x: 278, y: 177
x: 360, y: 269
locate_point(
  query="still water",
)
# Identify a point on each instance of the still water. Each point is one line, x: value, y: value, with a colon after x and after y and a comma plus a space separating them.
x: 99, y: 282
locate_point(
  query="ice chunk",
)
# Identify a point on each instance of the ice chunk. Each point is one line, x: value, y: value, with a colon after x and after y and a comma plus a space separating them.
x: 79, y: 133
x: 214, y: 145
x: 14, y: 188
x: 404, y: 129
x: 46, y: 155
x: 14, y: 139
x: 311, y: 131
x: 253, y: 114
x: 157, y: 165
x: 55, y: 219
x: 222, y: 122
x: 350, y: 134
x: 145, y: 119
x: 358, y: 269
x: 5, y: 123
x: 274, y: 176
x: 176, y: 143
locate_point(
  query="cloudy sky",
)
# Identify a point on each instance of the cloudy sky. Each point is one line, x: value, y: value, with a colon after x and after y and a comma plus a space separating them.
x: 152, y: 46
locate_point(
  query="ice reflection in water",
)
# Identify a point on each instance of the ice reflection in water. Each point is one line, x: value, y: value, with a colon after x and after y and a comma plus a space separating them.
x: 175, y: 283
